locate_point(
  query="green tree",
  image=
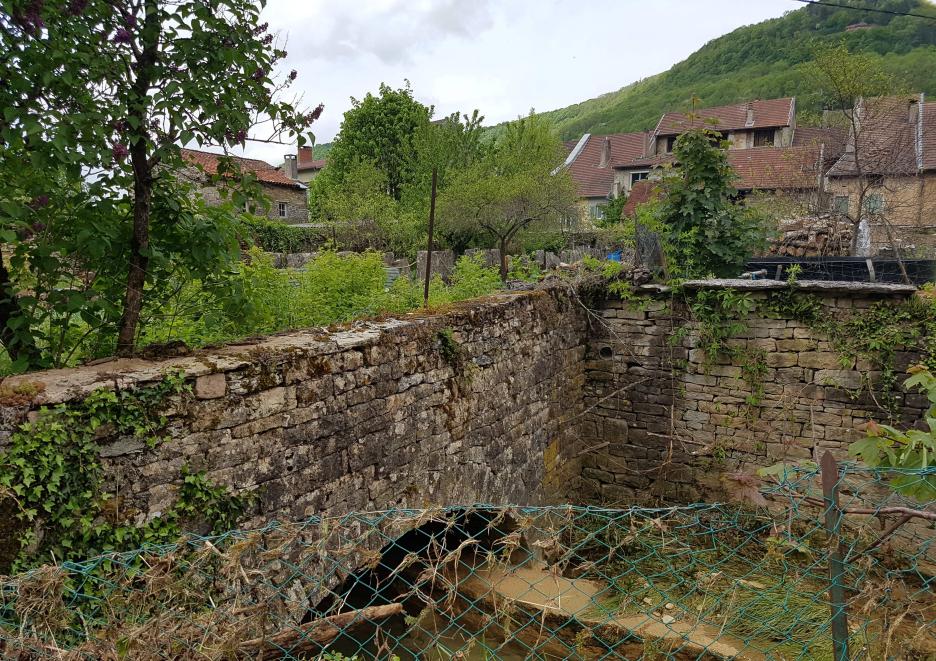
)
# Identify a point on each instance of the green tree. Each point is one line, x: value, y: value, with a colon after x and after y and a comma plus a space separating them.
x: 107, y: 90
x: 706, y: 230
x: 380, y: 130
x: 516, y: 186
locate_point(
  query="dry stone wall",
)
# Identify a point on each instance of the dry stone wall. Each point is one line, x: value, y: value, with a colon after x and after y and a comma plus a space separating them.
x: 666, y: 426
x: 518, y: 398
x: 466, y: 406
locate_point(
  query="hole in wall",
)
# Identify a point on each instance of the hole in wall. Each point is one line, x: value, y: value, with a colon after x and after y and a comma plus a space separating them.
x: 606, y: 353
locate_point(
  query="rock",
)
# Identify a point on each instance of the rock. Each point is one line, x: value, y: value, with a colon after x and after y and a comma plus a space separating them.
x: 210, y: 386
x: 668, y: 619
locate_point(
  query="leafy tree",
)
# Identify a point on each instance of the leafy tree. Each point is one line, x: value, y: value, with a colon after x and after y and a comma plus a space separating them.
x: 355, y: 200
x: 380, y: 130
x: 516, y: 186
x: 706, y: 230
x: 106, y: 90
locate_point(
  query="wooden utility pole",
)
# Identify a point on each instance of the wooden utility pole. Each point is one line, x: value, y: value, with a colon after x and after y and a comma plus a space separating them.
x: 432, y: 199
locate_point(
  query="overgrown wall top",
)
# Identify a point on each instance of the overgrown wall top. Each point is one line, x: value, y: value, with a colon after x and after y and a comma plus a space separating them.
x: 469, y: 405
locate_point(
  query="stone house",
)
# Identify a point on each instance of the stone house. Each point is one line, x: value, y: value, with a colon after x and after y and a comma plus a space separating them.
x: 884, y: 183
x: 766, y: 149
x: 287, y: 197
x: 591, y: 162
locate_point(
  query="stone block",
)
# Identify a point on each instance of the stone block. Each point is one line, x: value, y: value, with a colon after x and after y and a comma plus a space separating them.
x: 820, y: 360
x: 211, y: 386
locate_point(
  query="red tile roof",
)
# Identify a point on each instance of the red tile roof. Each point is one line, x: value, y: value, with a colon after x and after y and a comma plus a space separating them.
x: 264, y: 172
x: 315, y: 164
x: 305, y: 160
x: 596, y: 181
x: 769, y: 113
x: 886, y: 142
x: 775, y: 168
x: 929, y: 136
x: 643, y: 191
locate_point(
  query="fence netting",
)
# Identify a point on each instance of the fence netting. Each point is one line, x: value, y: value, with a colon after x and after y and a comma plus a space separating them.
x: 745, y: 580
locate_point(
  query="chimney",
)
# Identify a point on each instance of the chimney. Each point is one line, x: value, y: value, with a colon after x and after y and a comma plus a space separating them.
x: 290, y: 168
x: 749, y: 118
x: 305, y: 155
x: 605, y: 153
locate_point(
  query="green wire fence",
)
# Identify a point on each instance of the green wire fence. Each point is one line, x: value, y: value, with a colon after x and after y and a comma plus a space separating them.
x: 746, y: 580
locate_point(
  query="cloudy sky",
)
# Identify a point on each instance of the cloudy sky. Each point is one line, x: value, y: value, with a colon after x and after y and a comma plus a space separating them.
x: 503, y: 58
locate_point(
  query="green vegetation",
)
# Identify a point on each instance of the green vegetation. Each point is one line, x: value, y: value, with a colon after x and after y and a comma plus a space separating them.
x: 257, y: 298
x: 887, y: 447
x: 512, y: 188
x: 376, y: 190
x: 52, y: 472
x: 704, y: 230
x: 763, y: 61
x: 101, y: 163
x: 274, y: 236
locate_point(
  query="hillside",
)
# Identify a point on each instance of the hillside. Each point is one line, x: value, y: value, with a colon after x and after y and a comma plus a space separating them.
x: 760, y: 61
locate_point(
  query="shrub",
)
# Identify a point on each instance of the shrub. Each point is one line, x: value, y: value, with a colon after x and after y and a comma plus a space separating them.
x: 273, y: 236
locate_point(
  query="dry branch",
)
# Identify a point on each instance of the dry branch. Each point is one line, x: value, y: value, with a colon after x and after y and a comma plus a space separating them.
x: 316, y: 634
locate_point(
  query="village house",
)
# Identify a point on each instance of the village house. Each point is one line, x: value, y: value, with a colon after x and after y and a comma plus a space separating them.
x: 287, y: 197
x: 765, y: 147
x: 591, y: 162
x: 885, y: 180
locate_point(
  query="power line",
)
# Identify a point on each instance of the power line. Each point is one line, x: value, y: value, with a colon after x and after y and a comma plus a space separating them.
x: 829, y: 3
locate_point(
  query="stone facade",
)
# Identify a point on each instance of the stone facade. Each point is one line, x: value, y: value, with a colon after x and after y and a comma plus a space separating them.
x: 908, y: 205
x: 665, y: 426
x: 385, y: 414
x: 296, y: 199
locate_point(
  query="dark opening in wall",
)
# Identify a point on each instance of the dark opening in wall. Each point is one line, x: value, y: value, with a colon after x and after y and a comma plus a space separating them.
x: 606, y: 353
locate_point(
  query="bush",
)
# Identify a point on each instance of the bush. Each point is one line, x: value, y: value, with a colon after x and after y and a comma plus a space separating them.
x: 258, y: 298
x: 273, y: 236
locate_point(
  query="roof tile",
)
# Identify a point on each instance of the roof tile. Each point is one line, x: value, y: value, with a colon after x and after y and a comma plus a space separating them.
x: 769, y: 113
x: 264, y: 172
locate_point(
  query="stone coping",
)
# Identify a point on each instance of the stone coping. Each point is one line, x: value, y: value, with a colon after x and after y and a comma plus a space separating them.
x: 70, y: 383
x: 819, y: 286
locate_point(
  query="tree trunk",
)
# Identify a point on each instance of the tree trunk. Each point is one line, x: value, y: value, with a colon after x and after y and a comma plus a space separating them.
x: 503, y: 242
x: 137, y: 106
x: 139, y: 247
x: 17, y: 345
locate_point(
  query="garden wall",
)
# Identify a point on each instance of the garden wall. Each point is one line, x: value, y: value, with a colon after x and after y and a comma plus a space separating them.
x: 518, y: 398
x: 465, y: 406
x: 665, y: 422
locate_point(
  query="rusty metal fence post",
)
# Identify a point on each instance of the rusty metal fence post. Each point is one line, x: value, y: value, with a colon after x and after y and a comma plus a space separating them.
x: 833, y: 522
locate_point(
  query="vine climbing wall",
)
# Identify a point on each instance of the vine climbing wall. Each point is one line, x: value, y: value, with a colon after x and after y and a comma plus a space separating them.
x: 684, y: 388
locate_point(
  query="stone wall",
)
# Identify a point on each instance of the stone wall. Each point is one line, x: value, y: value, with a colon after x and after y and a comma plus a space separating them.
x: 664, y: 426
x: 532, y: 399
x: 385, y: 414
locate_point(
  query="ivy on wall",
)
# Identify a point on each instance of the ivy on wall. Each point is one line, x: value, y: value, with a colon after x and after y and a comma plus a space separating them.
x: 53, y: 473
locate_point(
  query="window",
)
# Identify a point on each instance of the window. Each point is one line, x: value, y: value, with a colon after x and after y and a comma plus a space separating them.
x: 597, y: 211
x: 874, y: 203
x: 670, y: 143
x: 283, y: 209
x: 763, y: 137
x: 840, y: 204
x: 638, y: 176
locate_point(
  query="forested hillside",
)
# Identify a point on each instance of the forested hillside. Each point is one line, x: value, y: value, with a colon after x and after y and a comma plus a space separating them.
x: 761, y: 61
